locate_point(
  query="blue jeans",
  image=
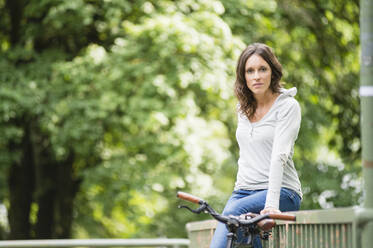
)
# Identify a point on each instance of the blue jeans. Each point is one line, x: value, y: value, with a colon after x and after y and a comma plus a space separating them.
x: 244, y: 201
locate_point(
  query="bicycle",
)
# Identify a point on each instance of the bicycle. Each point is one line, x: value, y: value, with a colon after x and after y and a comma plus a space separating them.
x: 251, y: 224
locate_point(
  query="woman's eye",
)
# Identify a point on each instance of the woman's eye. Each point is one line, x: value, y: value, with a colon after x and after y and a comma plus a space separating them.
x: 263, y: 69
x: 249, y: 71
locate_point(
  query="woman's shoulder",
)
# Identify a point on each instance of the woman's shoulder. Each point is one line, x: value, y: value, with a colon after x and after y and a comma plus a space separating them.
x: 287, y: 98
x: 289, y: 92
x: 287, y: 103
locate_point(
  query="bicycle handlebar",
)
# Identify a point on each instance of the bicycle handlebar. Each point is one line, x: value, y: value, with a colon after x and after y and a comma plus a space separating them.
x: 282, y: 217
x: 264, y: 221
x: 189, y: 197
x: 279, y: 216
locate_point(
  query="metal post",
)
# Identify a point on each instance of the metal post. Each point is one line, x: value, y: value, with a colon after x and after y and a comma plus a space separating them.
x: 158, y: 242
x: 366, y: 95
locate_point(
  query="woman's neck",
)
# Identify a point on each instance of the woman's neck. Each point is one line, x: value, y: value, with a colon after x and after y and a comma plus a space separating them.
x: 265, y: 99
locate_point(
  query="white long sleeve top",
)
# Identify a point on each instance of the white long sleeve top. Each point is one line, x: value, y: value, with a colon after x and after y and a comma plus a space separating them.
x: 267, y: 147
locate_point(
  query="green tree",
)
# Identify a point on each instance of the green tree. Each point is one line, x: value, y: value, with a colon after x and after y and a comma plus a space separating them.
x: 107, y: 108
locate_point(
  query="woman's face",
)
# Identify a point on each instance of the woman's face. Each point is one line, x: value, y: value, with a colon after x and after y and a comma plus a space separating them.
x: 258, y: 75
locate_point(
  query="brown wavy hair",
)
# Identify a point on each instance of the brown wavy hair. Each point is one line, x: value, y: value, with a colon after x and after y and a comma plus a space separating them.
x: 246, y: 99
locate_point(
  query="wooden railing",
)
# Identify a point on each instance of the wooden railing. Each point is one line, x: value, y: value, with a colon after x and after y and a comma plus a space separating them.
x: 335, y: 228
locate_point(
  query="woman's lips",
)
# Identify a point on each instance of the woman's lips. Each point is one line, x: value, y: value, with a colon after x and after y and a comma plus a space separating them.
x: 257, y: 85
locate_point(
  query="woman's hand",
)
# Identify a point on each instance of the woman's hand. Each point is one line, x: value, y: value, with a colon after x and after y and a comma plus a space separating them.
x: 270, y: 210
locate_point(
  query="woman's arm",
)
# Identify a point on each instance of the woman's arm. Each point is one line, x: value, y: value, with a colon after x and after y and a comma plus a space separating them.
x: 286, y: 132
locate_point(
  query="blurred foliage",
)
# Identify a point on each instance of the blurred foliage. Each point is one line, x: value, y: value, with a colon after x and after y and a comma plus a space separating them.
x: 138, y: 96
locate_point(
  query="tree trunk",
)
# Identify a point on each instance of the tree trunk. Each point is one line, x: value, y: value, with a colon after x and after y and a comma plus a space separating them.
x: 15, y: 8
x: 39, y: 178
x: 67, y: 188
x: 45, y: 194
x: 57, y: 189
x: 21, y: 187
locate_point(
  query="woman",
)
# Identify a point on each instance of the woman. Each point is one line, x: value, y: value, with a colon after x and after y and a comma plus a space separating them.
x: 268, y: 124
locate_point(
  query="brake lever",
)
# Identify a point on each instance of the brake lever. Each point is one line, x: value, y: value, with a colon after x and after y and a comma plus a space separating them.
x: 196, y: 211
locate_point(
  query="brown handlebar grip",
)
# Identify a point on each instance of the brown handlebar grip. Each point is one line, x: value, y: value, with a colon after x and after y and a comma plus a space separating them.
x: 282, y: 217
x: 189, y: 197
x: 266, y: 224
